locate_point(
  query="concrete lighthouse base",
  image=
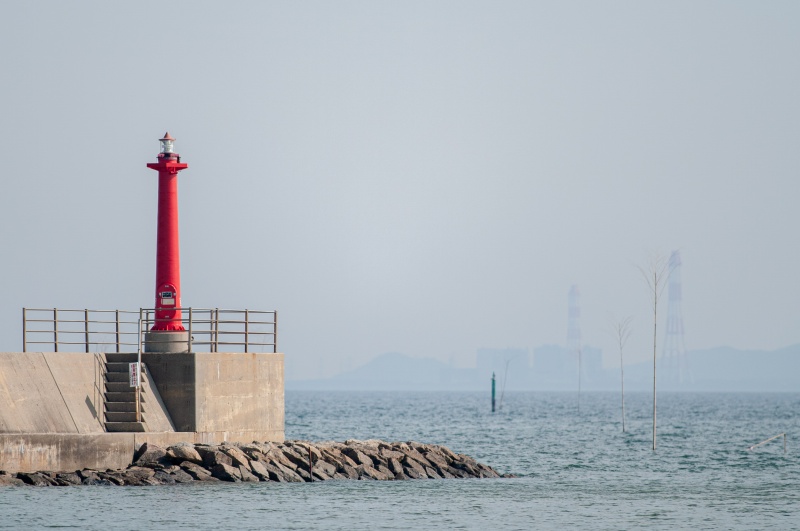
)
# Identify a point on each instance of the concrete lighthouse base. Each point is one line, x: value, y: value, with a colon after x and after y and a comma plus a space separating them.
x: 166, y: 341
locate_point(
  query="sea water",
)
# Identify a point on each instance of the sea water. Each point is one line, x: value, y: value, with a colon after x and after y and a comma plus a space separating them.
x: 575, y: 469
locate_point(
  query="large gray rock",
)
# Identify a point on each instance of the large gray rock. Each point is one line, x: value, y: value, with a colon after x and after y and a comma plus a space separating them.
x: 295, y: 457
x: 278, y: 472
x: 319, y: 475
x: 164, y: 478
x: 348, y: 471
x: 415, y: 473
x: 413, y: 468
x: 326, y: 468
x: 394, y: 465
x: 197, y: 472
x: 215, y: 458
x: 302, y: 448
x: 436, y: 458
x: 184, y: 452
x: 487, y: 472
x: 68, y: 478
x: 7, y: 480
x: 151, y: 455
x: 385, y: 471
x: 247, y: 475
x: 278, y: 457
x: 387, y: 453
x: 274, y: 473
x: 359, y: 457
x: 35, y: 478
x: 336, y: 457
x: 140, y: 472
x: 260, y: 470
x: 432, y: 473
x: 239, y: 459
x: 114, y: 477
x: 226, y: 472
x: 414, y: 454
x: 181, y: 476
x: 372, y: 473
x: 457, y: 472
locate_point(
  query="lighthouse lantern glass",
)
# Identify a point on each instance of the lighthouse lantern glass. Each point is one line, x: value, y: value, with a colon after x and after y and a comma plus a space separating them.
x: 166, y: 145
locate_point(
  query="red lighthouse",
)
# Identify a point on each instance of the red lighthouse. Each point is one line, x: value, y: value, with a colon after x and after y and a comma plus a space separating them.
x: 168, y: 270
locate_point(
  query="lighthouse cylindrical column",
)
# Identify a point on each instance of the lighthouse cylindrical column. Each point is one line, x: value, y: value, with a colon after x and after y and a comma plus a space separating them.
x: 167, y: 328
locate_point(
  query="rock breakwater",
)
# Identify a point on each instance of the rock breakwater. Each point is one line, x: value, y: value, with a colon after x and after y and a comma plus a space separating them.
x: 291, y: 461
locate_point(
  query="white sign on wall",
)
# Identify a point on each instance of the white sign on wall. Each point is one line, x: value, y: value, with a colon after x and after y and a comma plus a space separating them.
x: 133, y: 374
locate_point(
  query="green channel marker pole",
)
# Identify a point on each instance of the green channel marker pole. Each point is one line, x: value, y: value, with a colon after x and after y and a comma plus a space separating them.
x: 493, y: 387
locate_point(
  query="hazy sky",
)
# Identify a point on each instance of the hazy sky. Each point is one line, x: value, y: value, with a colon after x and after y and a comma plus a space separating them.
x: 421, y: 177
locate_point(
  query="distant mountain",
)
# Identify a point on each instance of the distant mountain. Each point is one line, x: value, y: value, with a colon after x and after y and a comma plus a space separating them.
x: 718, y: 369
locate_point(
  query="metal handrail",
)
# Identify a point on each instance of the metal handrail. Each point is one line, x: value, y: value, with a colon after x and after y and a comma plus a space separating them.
x: 209, y: 324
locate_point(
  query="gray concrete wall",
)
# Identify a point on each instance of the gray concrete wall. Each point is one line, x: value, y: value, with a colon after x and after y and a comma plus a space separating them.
x: 154, y: 412
x: 232, y: 392
x: 57, y: 452
x: 51, y: 392
x: 67, y: 452
x: 239, y: 392
x: 174, y: 377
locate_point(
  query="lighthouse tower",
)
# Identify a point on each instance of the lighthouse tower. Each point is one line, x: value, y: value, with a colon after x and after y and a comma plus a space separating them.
x: 167, y: 333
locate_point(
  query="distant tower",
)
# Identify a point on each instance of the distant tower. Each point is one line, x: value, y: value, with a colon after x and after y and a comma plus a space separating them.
x: 674, y: 358
x: 574, y: 331
x: 574, y: 320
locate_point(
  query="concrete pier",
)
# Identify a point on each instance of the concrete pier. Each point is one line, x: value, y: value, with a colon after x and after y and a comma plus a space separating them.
x: 52, y: 406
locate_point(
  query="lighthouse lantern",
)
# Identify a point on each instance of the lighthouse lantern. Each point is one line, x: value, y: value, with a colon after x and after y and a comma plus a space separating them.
x: 167, y: 143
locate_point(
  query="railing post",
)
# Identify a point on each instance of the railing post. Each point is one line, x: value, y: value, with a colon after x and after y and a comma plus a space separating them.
x: 86, y: 328
x: 116, y: 312
x: 140, y: 331
x: 139, y: 367
x: 216, y: 330
x: 246, y: 322
x: 211, y: 330
x: 275, y: 335
x: 190, y: 329
x: 55, y: 330
x: 24, y: 330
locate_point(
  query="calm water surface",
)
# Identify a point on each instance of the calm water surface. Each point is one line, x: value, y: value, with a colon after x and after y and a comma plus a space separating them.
x: 576, y: 469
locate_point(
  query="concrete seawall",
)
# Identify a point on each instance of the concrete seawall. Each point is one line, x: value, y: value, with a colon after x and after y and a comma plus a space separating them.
x: 52, y: 406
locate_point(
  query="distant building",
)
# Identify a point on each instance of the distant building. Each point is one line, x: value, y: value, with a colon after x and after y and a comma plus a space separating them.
x: 496, y: 359
x: 556, y: 367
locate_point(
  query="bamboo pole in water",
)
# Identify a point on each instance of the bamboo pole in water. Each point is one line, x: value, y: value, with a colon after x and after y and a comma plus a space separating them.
x: 771, y: 439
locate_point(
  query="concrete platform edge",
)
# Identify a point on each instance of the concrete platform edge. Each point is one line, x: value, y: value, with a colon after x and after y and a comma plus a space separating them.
x: 57, y: 452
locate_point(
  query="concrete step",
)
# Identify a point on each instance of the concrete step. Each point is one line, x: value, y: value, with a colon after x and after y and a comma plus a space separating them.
x: 122, y: 406
x: 112, y: 396
x: 117, y: 366
x: 119, y: 387
x: 117, y: 377
x: 121, y: 357
x: 125, y: 426
x: 120, y: 416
